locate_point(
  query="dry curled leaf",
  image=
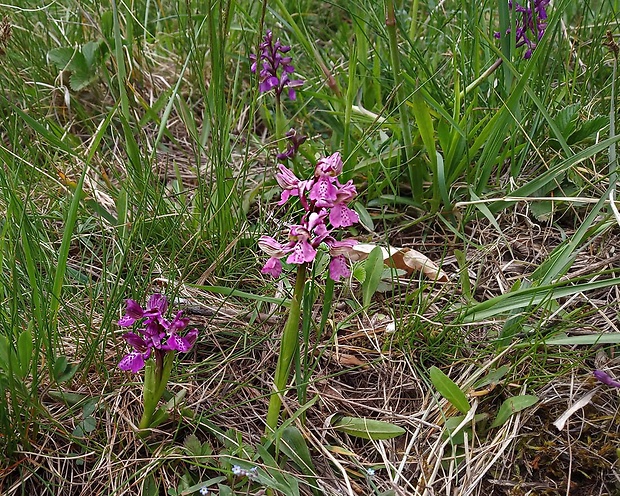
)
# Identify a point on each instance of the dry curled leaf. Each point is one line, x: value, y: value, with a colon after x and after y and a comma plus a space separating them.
x: 404, y: 258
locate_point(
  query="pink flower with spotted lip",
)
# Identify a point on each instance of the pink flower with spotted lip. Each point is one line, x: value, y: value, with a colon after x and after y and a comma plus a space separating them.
x: 324, y: 199
x: 342, y: 216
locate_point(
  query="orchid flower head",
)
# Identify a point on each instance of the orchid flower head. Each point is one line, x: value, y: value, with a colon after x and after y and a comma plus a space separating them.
x: 275, y: 67
x: 530, y: 23
x: 158, y: 335
x: 325, y: 209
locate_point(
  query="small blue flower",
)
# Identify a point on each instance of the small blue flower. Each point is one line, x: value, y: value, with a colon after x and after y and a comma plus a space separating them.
x: 204, y: 491
x: 370, y: 472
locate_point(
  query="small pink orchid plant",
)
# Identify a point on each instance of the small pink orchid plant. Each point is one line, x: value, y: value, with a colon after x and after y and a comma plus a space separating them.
x: 325, y: 201
x: 154, y: 345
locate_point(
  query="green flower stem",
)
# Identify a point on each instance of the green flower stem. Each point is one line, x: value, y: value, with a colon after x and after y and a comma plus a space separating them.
x: 414, y: 171
x: 280, y: 125
x: 413, y: 27
x: 288, y: 345
x: 156, y: 375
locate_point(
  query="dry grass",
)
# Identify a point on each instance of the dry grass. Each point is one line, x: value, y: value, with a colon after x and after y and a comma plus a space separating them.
x: 363, y: 370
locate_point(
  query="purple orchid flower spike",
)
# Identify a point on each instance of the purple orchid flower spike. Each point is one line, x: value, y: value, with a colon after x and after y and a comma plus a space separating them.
x: 530, y: 24
x: 157, y: 337
x: 325, y: 203
x: 275, y: 67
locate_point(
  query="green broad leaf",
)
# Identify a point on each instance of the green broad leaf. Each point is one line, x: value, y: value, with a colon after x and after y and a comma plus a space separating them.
x: 365, y: 218
x: 374, y: 271
x: 367, y: 428
x: 193, y: 445
x: 64, y: 58
x: 512, y: 406
x: 90, y: 407
x: 493, y: 377
x: 566, y: 119
x: 69, y: 399
x: 293, y: 445
x: 24, y: 351
x: 587, y: 339
x: 63, y: 370
x: 359, y: 272
x: 452, y: 423
x: 449, y: 390
x: 92, y: 51
x: 89, y: 424
x: 80, y: 79
x: 588, y: 129
x: 224, y: 490
x: 542, y: 210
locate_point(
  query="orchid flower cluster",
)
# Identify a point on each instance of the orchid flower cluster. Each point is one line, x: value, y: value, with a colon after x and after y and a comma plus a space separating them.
x: 324, y: 200
x: 531, y: 26
x: 158, y: 336
x: 153, y: 346
x: 275, y: 67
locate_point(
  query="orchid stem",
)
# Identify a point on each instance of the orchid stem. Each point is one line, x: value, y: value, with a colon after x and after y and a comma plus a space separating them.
x: 288, y: 345
x: 280, y: 125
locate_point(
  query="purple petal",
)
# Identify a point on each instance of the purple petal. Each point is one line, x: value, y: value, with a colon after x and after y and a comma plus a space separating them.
x: 268, y: 84
x: 273, y: 267
x: 338, y: 268
x: 159, y: 303
x: 181, y: 343
x: 342, y: 216
x: 133, y: 313
x: 286, y: 178
x: 136, y: 341
x: 178, y: 323
x: 346, y: 192
x: 324, y: 193
x: 271, y: 247
x: 331, y: 165
x: 133, y: 361
x: 286, y: 194
x: 343, y: 247
x: 606, y: 378
x: 126, y: 321
x: 302, y: 252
